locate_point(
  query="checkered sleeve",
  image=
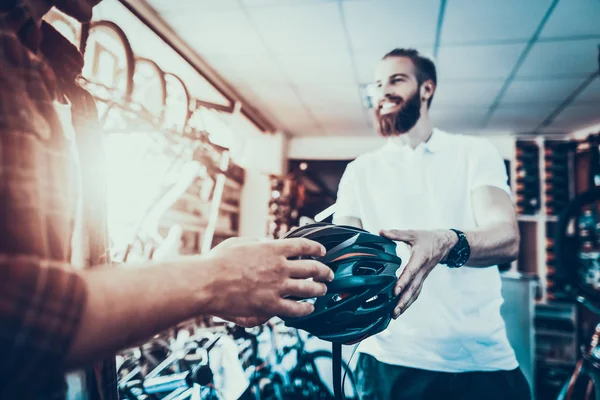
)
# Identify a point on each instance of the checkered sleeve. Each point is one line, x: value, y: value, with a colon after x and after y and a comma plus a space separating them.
x: 40, y: 308
x: 41, y: 297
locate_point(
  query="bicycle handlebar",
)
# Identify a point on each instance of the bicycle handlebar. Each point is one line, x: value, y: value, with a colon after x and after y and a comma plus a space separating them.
x: 591, y: 306
x: 200, y: 374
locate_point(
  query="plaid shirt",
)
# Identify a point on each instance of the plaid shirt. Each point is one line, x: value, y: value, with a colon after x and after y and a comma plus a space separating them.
x: 41, y: 297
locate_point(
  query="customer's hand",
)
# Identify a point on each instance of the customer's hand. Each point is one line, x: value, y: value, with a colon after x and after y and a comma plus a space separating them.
x: 428, y: 248
x: 251, y: 278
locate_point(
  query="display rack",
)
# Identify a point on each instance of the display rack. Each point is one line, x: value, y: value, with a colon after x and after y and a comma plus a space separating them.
x: 555, y: 323
x: 287, y: 197
x: 559, y: 321
x: 556, y: 326
x: 201, y: 187
x: 539, y: 201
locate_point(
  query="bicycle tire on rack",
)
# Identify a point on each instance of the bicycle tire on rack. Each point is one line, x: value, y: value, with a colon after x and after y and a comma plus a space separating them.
x: 327, y: 392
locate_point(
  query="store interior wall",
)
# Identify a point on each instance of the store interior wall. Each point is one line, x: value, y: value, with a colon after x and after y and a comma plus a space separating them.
x: 262, y: 156
x: 345, y: 148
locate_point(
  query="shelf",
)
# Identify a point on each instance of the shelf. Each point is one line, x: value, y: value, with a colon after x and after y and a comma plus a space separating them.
x: 529, y: 218
x: 537, y: 218
x: 194, y: 199
x: 188, y: 222
x: 229, y: 208
x: 556, y: 311
x: 558, y: 334
x: 555, y: 363
x: 225, y: 233
x: 232, y: 184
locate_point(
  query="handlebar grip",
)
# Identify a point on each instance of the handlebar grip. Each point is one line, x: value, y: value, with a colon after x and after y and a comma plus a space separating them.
x: 201, y: 374
x: 591, y: 306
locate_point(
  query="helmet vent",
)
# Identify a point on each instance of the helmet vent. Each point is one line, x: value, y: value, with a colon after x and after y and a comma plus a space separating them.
x: 373, y: 246
x: 367, y: 269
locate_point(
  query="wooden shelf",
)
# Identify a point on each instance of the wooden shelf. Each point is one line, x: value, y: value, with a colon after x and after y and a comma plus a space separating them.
x: 225, y: 233
x: 229, y: 208
x: 194, y: 199
x: 232, y: 184
x: 556, y: 363
x: 188, y: 222
x: 537, y: 218
x: 558, y: 334
x: 191, y: 223
x: 529, y: 218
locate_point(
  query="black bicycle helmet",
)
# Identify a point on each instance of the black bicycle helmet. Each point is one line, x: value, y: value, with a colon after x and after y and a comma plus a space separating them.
x: 360, y: 300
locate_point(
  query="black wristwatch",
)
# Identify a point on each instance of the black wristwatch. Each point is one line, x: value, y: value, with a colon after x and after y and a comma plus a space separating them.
x: 460, y: 253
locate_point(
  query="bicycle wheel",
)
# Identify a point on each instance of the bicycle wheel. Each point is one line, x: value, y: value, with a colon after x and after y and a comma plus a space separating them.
x: 150, y: 89
x: 312, y: 377
x: 109, y: 59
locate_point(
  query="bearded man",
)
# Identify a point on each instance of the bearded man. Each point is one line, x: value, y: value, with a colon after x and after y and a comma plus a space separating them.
x: 446, y: 198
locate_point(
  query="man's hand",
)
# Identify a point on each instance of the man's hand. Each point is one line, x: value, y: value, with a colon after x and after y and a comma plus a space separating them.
x: 428, y: 249
x: 250, y: 278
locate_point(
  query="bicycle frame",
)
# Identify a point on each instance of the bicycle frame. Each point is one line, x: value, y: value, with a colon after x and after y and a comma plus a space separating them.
x: 586, y: 368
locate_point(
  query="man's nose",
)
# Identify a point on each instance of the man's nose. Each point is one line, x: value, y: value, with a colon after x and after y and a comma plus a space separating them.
x: 390, y: 96
x: 387, y: 91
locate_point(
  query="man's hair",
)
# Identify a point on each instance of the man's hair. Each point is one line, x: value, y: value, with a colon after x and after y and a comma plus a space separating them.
x: 424, y: 66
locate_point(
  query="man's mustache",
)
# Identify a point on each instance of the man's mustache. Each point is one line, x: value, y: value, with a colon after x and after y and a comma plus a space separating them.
x: 391, y: 99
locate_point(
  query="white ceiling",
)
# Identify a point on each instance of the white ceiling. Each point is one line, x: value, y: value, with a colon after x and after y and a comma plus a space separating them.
x: 503, y: 65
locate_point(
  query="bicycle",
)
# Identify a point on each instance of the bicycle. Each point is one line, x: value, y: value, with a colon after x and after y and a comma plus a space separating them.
x: 270, y: 376
x: 306, y: 381
x: 172, y: 375
x: 266, y: 380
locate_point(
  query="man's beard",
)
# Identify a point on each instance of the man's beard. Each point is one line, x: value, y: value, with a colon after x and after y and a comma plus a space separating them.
x: 401, y: 120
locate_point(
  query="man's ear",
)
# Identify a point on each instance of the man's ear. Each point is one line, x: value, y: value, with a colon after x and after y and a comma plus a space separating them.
x: 427, y: 90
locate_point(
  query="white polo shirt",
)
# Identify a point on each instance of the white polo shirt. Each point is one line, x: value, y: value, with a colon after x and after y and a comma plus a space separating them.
x: 455, y: 325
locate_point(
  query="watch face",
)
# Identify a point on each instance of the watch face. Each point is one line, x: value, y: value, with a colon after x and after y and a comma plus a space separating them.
x: 463, y: 255
x: 462, y: 251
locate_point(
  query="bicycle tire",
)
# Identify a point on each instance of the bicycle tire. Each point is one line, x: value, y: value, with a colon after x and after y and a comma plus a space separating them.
x: 160, y: 74
x: 128, y: 51
x: 313, y: 357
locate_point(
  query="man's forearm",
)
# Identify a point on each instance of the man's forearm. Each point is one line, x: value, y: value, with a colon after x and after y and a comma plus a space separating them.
x: 125, y: 306
x: 492, y: 245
